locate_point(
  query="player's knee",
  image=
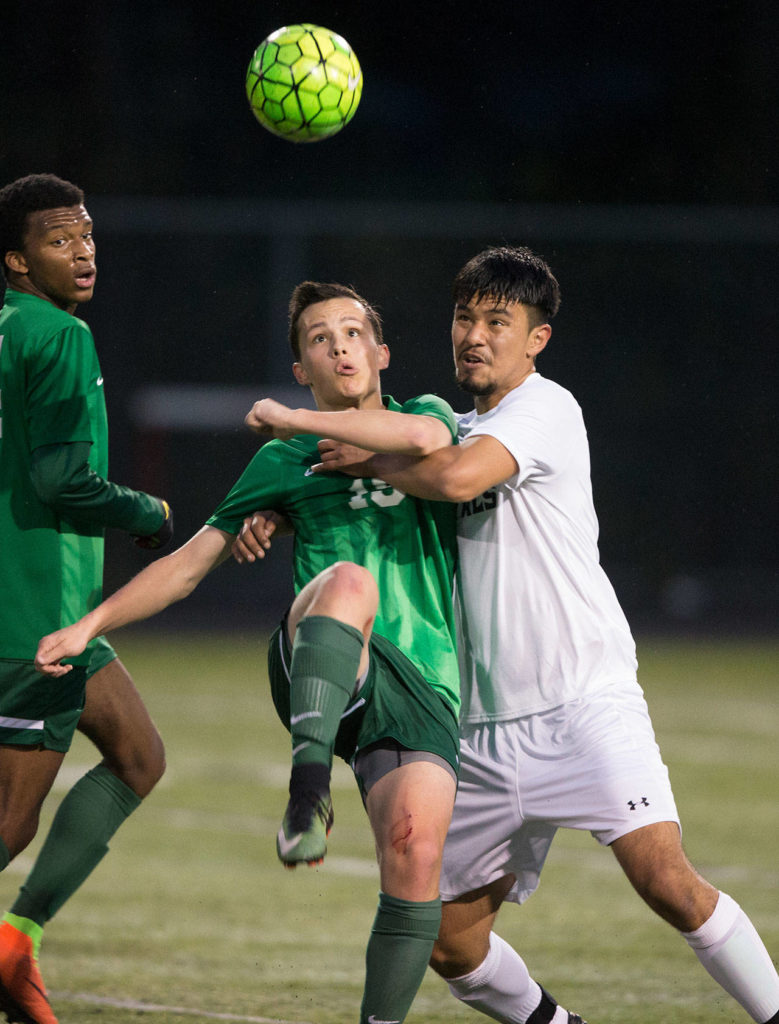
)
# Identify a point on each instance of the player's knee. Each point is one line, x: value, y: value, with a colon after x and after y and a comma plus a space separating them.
x: 412, y: 857
x: 352, y: 580
x: 18, y: 832
x: 678, y: 895
x: 142, y: 766
x: 450, y: 960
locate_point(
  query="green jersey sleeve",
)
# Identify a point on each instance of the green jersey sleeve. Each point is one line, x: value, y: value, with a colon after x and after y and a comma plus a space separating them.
x: 65, y: 482
x: 60, y: 375
x: 428, y: 405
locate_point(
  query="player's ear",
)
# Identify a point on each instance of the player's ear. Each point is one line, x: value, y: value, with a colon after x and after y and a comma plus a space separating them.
x: 16, y: 262
x: 384, y: 357
x: 300, y: 375
x: 538, y: 339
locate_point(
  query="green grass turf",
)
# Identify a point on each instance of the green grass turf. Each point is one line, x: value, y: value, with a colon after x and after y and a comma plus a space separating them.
x: 192, y: 911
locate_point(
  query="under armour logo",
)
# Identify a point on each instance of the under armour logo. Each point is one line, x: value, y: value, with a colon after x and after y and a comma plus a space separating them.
x: 633, y: 804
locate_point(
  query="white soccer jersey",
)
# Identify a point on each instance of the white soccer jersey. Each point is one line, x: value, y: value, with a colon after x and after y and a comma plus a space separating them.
x: 539, y: 621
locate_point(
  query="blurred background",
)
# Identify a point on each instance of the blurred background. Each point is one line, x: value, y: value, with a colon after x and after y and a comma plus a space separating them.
x: 633, y: 145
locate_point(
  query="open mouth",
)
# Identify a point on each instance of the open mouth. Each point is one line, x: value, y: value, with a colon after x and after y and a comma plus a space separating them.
x: 471, y: 359
x: 86, y: 280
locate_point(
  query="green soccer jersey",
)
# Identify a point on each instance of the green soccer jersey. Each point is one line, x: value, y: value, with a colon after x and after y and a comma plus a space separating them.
x: 51, y: 571
x: 409, y: 545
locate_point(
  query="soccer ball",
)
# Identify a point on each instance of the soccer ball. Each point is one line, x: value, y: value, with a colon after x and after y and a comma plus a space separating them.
x: 304, y: 83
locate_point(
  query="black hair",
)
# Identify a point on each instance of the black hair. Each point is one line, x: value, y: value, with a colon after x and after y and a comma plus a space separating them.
x: 309, y: 292
x: 28, y: 195
x: 509, y: 274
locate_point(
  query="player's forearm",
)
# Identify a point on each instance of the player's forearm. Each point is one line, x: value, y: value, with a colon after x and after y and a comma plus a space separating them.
x: 159, y: 585
x: 416, y: 476
x: 64, y: 481
x: 448, y: 474
x: 378, y: 430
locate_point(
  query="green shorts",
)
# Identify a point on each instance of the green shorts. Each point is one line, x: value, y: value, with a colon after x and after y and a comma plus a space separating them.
x: 36, y: 710
x: 394, y: 703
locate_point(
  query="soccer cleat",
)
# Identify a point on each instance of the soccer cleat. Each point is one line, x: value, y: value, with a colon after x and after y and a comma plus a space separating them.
x: 302, y: 837
x: 546, y: 1010
x: 23, y: 996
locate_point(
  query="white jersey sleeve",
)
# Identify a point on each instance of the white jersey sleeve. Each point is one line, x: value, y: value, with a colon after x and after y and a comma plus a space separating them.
x: 539, y: 622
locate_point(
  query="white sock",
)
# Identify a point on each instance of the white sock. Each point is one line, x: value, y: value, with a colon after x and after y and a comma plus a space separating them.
x: 501, y: 986
x: 734, y: 955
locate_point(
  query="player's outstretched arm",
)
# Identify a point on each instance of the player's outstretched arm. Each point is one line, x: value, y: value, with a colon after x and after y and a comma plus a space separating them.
x: 379, y: 430
x: 456, y: 473
x: 165, y: 581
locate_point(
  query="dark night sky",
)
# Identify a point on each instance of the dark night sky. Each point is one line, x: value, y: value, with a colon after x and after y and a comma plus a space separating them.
x: 585, y: 102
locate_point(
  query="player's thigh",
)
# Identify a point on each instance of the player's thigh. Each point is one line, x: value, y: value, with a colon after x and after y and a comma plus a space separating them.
x: 26, y: 776
x: 117, y: 721
x: 595, y: 765
x: 489, y: 837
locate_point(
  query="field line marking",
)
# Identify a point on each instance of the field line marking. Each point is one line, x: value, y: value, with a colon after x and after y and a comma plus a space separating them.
x: 132, y: 1004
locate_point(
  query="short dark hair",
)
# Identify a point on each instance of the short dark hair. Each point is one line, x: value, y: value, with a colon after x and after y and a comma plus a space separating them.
x: 509, y: 274
x: 309, y: 292
x: 28, y: 195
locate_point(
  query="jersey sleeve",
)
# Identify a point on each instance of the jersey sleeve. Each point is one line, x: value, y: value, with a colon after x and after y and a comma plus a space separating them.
x: 432, y: 405
x: 259, y: 487
x: 59, y: 375
x: 534, y: 431
x: 64, y: 481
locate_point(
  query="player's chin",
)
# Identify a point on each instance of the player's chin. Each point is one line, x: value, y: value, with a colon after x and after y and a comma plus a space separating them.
x: 470, y: 382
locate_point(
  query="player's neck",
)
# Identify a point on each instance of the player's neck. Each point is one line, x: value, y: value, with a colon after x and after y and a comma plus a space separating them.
x: 484, y: 403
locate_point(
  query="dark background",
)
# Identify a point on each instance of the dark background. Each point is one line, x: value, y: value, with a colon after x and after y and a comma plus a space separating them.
x: 633, y: 145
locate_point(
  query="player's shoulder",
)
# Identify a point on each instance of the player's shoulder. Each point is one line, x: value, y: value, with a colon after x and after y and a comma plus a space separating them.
x: 35, y: 323
x: 300, y: 450
x: 541, y: 392
x: 427, y: 405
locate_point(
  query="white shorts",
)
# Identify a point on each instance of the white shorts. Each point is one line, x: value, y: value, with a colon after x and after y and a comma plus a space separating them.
x: 590, y: 764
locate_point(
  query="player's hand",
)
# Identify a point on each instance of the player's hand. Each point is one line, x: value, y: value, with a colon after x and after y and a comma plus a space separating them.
x: 162, y: 536
x: 343, y: 458
x: 65, y: 643
x: 270, y: 417
x: 254, y: 539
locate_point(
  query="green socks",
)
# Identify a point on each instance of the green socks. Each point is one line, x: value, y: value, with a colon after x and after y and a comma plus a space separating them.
x: 77, y: 841
x: 397, y: 956
x: 325, y: 660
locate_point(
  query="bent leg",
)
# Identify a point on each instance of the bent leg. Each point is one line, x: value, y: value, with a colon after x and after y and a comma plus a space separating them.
x: 714, y: 926
x: 409, y: 810
x: 116, y: 720
x: 328, y: 626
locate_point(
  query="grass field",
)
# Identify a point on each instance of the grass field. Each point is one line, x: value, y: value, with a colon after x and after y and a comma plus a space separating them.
x: 192, y: 919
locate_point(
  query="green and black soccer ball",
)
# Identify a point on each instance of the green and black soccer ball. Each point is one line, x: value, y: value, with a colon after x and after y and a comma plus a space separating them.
x: 304, y: 83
